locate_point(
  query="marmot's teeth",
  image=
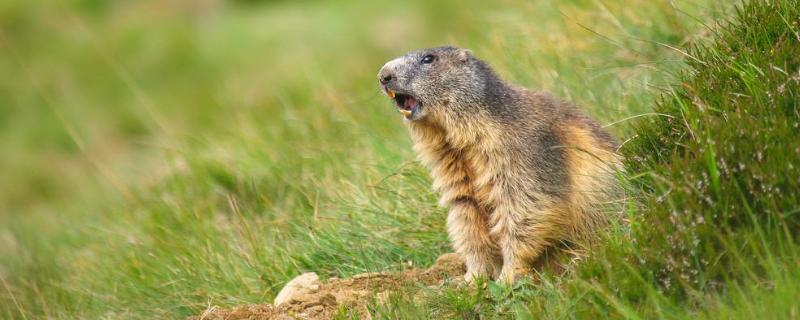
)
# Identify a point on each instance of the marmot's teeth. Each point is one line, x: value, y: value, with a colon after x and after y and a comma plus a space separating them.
x: 390, y: 93
x: 405, y: 112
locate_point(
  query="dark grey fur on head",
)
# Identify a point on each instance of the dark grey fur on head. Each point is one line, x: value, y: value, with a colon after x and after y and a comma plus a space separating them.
x: 454, y: 82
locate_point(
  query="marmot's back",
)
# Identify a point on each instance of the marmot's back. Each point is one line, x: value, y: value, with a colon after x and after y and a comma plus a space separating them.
x: 520, y: 171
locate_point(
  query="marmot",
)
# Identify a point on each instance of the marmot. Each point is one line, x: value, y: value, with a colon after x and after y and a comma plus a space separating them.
x: 519, y: 170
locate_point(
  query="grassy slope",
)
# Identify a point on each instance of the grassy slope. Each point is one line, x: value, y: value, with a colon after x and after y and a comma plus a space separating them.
x: 716, y: 235
x: 194, y: 169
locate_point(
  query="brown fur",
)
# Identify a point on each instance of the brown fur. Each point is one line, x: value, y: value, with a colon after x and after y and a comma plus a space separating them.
x: 518, y: 178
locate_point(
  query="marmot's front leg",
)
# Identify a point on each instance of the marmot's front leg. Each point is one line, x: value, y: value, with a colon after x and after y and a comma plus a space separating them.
x: 469, y: 232
x: 524, y: 232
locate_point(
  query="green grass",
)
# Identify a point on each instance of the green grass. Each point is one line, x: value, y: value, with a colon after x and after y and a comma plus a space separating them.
x: 209, y: 153
x: 715, y: 234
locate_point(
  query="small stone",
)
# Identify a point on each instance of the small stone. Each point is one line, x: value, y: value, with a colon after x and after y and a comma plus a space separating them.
x: 302, y: 284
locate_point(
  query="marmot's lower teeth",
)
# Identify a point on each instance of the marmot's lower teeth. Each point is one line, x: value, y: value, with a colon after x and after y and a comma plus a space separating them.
x: 405, y: 112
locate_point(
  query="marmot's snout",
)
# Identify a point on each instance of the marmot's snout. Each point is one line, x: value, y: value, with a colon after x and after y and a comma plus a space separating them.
x: 406, y: 103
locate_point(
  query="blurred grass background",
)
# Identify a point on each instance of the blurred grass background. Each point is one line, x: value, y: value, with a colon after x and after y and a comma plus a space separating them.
x: 162, y: 157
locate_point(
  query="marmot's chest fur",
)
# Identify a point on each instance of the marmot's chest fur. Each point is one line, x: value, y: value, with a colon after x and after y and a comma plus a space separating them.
x: 459, y: 172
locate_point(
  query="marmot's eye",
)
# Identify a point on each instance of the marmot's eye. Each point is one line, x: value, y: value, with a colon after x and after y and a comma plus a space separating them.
x: 428, y: 58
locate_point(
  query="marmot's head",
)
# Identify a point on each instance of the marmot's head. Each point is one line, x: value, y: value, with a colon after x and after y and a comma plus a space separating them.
x: 436, y: 81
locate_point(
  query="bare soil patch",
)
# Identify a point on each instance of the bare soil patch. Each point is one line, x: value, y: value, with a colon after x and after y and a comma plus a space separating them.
x: 322, y: 300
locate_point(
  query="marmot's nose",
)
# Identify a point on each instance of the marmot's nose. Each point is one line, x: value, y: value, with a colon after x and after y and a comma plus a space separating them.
x: 386, y: 75
x: 386, y: 79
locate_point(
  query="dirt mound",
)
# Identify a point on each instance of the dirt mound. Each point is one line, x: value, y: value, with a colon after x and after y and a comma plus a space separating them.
x: 307, y: 298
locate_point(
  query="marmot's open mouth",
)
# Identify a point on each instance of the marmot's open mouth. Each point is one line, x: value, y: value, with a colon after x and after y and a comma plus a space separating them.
x: 406, y: 103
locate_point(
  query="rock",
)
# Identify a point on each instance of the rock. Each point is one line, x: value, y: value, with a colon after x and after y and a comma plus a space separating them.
x: 300, y: 285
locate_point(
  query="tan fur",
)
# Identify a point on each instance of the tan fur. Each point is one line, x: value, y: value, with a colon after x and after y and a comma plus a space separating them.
x: 485, y: 205
x: 595, y: 193
x: 520, y: 171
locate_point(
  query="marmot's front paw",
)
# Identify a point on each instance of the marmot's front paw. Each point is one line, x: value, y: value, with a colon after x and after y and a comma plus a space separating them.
x: 479, y: 270
x: 511, y: 275
x: 469, y: 280
x: 470, y: 276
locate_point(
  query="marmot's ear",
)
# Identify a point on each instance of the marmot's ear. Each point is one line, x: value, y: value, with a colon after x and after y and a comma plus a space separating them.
x: 464, y: 54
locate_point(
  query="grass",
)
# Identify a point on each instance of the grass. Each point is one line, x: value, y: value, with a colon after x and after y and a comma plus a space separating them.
x: 715, y: 235
x: 210, y: 153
